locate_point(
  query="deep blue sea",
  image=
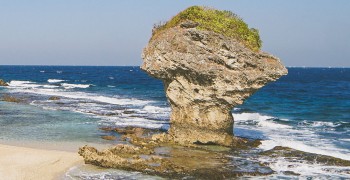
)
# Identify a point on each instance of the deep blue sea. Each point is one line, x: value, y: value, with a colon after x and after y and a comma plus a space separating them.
x: 308, y: 110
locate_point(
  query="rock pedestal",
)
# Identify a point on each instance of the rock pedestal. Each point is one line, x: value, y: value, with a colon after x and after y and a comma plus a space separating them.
x: 205, y: 75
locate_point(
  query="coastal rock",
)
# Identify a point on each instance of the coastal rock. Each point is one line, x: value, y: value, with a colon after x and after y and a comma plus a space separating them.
x: 54, y: 98
x: 3, y: 83
x: 205, y: 75
x: 9, y: 98
x: 155, y: 155
x: 109, y: 138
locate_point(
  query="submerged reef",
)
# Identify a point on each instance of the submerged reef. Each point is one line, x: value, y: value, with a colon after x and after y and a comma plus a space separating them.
x: 207, y: 69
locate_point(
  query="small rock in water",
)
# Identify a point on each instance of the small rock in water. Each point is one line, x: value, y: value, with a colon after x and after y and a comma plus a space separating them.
x: 291, y: 173
x: 9, y: 98
x: 3, y: 83
x: 54, y: 98
x: 109, y: 138
x: 128, y: 112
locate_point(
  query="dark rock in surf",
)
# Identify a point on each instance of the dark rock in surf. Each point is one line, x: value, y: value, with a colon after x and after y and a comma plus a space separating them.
x: 3, y: 83
x: 9, y: 98
x: 54, y: 98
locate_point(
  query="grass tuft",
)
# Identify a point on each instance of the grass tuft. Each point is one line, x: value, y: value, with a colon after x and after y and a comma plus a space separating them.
x: 222, y: 22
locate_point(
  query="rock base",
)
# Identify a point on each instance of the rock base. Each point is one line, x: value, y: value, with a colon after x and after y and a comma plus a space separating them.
x: 158, y: 154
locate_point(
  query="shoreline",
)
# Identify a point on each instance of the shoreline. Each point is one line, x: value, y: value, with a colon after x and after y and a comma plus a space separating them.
x: 33, y: 163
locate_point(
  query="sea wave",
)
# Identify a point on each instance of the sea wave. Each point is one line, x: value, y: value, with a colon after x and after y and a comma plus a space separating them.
x: 55, y: 80
x: 72, y: 86
x: 88, y: 96
x: 20, y: 83
x: 317, y: 124
x: 330, y: 150
x: 276, y: 134
x: 44, y: 89
x: 89, y: 172
x: 306, y: 170
x: 257, y: 119
x: 133, y: 121
x: 23, y: 84
x: 156, y: 109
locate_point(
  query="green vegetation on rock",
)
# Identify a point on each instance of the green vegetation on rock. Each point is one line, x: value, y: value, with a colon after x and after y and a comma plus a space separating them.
x: 222, y: 22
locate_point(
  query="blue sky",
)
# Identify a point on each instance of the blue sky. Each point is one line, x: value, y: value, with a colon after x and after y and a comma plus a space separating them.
x: 113, y: 32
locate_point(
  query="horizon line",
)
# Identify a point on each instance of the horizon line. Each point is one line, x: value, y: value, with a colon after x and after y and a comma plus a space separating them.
x: 140, y: 65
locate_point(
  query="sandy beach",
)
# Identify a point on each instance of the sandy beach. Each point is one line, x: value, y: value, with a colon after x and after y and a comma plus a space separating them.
x: 22, y: 163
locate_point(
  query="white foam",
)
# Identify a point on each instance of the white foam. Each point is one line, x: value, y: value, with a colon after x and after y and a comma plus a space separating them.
x: 50, y: 86
x: 301, y: 146
x: 155, y: 109
x: 23, y: 84
x: 305, y: 169
x: 250, y: 116
x: 19, y: 83
x: 316, y: 124
x: 28, y: 85
x: 288, y: 136
x: 91, y: 172
x: 134, y: 121
x: 55, y: 80
x: 72, y: 86
x: 79, y: 95
x: 260, y: 120
x: 110, y: 86
x: 321, y: 124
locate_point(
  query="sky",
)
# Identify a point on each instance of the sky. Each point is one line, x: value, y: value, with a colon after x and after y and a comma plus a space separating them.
x: 114, y: 32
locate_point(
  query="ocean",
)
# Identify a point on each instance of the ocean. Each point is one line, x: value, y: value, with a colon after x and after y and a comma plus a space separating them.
x: 308, y: 110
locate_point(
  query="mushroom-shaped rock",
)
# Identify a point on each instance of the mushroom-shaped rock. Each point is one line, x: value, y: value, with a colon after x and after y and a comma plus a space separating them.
x: 207, y: 71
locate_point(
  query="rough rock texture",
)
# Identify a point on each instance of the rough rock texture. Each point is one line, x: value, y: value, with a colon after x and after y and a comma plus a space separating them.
x: 3, y: 83
x: 54, y: 98
x: 9, y: 98
x: 154, y: 154
x: 205, y: 75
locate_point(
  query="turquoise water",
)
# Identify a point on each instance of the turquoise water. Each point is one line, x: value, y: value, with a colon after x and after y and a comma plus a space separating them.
x: 309, y: 109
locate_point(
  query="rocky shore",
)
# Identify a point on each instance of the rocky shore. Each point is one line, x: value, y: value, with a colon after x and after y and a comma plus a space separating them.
x: 153, y: 153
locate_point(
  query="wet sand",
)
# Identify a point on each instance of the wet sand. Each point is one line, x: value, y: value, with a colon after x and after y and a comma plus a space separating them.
x: 28, y: 163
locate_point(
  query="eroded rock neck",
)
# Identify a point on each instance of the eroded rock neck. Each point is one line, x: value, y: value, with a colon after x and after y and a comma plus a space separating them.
x: 196, y: 118
x: 199, y: 124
